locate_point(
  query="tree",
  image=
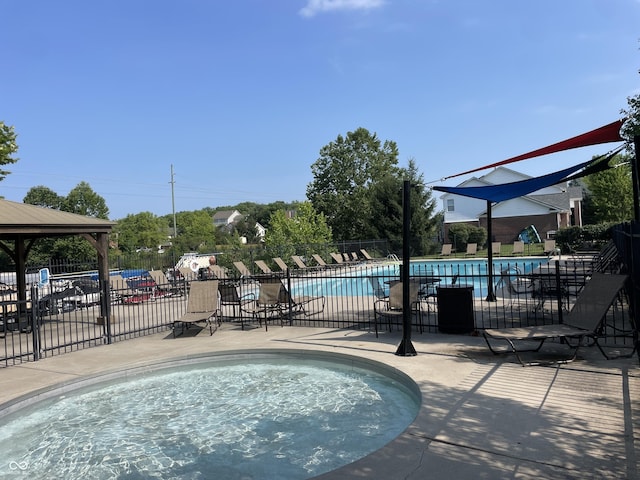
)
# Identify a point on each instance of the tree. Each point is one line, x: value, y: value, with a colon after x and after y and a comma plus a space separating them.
x: 8, y: 146
x: 631, y: 126
x: 82, y: 200
x: 609, y: 195
x: 342, y: 177
x: 43, y: 197
x: 288, y: 236
x: 387, y: 212
x: 140, y: 230
x: 196, y: 232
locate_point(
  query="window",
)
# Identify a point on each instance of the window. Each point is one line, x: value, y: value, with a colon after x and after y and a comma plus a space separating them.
x: 450, y: 207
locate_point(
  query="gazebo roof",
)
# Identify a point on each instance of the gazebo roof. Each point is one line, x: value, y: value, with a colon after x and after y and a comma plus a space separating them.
x: 24, y: 220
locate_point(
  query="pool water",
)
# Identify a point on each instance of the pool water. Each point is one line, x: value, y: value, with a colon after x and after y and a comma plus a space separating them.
x: 355, y: 281
x: 262, y: 419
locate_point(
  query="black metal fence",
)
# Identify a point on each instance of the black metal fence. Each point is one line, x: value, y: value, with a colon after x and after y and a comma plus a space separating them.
x: 450, y: 295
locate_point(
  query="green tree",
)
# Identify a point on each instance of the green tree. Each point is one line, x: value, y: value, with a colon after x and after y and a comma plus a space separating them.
x: 342, y: 176
x: 631, y: 126
x: 8, y: 146
x: 609, y: 196
x: 196, y: 232
x: 43, y: 197
x: 298, y: 235
x: 82, y: 200
x: 140, y: 230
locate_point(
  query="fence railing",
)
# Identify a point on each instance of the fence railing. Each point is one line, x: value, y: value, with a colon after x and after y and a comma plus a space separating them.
x: 351, y: 296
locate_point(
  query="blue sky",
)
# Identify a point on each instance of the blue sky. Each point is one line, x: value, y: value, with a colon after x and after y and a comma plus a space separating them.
x: 240, y: 96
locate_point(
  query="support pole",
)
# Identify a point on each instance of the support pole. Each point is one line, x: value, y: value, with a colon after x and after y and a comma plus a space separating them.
x: 491, y: 296
x: 406, y: 348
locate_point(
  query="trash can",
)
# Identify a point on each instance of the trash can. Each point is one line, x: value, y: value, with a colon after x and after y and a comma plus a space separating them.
x: 455, y: 309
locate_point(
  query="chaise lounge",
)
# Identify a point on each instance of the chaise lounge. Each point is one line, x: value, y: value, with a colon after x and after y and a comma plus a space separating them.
x: 585, y: 321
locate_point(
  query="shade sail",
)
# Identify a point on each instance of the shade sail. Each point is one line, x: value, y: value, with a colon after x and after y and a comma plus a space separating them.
x: 507, y: 191
x: 606, y: 134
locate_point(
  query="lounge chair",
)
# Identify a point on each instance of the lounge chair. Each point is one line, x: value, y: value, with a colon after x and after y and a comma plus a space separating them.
x: 367, y: 256
x: 163, y: 286
x: 301, y: 303
x: 446, y: 250
x: 378, y: 290
x: 472, y: 248
x: 392, y: 306
x: 518, y: 248
x: 495, y: 248
x: 549, y: 247
x: 123, y: 293
x: 263, y: 266
x: 229, y: 297
x: 217, y: 272
x: 337, y: 258
x: 188, y: 274
x: 585, y: 321
x: 320, y: 261
x: 301, y: 265
x: 282, y: 265
x: 202, y: 305
x: 242, y: 269
x: 515, y: 287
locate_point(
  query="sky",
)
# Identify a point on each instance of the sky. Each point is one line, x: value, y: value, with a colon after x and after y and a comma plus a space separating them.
x: 237, y: 97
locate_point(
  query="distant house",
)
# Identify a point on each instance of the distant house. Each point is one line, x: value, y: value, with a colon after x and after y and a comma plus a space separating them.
x: 260, y: 232
x: 548, y: 209
x: 224, y: 218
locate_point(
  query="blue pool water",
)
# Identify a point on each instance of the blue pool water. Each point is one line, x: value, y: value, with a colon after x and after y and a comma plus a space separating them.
x: 250, y: 418
x: 355, y: 281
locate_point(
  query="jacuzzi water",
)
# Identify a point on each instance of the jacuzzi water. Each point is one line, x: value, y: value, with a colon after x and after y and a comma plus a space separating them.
x: 251, y: 419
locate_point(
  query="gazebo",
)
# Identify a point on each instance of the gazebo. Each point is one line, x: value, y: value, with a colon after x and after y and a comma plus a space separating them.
x: 22, y: 224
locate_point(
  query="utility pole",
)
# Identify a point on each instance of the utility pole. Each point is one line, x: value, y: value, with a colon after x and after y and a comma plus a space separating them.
x: 173, y: 204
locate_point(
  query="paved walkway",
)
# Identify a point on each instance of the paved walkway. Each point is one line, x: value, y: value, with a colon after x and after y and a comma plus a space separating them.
x: 481, y: 416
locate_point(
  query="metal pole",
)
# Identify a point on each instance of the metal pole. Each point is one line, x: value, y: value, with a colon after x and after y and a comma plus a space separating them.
x: 634, y: 178
x: 406, y: 348
x: 491, y: 296
x: 173, y: 204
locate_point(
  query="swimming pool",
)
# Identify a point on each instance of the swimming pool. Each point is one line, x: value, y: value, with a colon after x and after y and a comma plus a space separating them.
x: 355, y: 281
x: 284, y: 416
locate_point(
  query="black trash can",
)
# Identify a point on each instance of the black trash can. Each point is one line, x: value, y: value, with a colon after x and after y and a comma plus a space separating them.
x: 455, y: 309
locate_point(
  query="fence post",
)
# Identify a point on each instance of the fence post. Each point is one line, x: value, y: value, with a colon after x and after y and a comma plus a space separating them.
x: 35, y: 325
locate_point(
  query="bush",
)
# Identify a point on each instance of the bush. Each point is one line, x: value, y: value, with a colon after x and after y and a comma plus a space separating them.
x: 459, y: 235
x: 478, y: 235
x: 589, y: 237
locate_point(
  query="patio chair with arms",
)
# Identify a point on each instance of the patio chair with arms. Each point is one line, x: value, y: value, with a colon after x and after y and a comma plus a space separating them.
x: 229, y: 297
x: 392, y: 306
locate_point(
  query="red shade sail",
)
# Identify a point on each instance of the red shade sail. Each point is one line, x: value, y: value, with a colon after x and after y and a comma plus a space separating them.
x: 606, y: 134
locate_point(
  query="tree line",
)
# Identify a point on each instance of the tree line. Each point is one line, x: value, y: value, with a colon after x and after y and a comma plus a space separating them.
x: 356, y: 193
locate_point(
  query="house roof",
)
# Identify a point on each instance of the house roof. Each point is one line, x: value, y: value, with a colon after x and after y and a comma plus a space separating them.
x: 224, y: 214
x: 24, y: 220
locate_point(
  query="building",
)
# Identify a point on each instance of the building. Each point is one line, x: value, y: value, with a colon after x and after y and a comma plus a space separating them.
x: 224, y: 218
x: 547, y: 209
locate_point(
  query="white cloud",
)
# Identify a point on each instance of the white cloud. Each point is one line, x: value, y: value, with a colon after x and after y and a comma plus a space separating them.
x: 314, y: 7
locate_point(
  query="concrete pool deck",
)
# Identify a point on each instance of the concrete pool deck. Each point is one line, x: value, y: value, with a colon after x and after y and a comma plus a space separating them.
x: 482, y: 416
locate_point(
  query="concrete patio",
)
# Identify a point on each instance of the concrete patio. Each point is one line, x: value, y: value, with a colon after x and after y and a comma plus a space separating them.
x: 481, y: 416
